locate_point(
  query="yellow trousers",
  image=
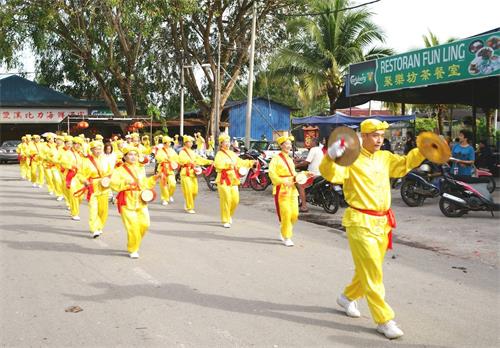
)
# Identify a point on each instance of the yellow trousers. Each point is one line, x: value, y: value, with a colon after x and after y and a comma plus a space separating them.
x: 37, y: 173
x: 189, y: 187
x: 136, y: 224
x: 168, y: 190
x: 25, y: 169
x: 57, y: 181
x: 289, y: 213
x: 72, y: 201
x: 48, y: 179
x: 368, y: 251
x: 98, y: 211
x: 229, y: 197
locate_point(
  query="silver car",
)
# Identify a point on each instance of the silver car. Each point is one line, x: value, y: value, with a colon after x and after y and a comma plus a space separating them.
x: 8, y: 151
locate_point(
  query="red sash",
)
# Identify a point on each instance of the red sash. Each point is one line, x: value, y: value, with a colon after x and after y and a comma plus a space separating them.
x: 391, y: 220
x: 278, y: 188
x: 188, y: 165
x: 224, y: 178
x: 121, y: 198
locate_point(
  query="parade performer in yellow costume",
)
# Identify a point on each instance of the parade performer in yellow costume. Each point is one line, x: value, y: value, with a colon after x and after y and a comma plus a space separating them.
x: 168, y: 161
x: 35, y: 160
x: 54, y: 157
x: 94, y: 169
x: 227, y: 164
x: 47, y: 163
x: 200, y: 143
x: 71, y: 161
x: 282, y: 173
x: 23, y: 156
x: 369, y: 218
x: 146, y: 144
x: 188, y: 160
x: 128, y: 180
x: 176, y: 140
x: 211, y: 146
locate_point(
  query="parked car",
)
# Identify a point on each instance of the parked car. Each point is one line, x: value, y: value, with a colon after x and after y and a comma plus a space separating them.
x: 8, y: 151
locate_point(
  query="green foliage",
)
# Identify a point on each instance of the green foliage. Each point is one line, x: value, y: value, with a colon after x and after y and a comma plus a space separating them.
x: 425, y: 124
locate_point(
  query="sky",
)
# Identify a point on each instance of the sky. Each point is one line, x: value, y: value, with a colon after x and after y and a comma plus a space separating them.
x: 406, y: 21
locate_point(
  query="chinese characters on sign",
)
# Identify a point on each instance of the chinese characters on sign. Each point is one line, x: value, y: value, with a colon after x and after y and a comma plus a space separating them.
x: 31, y: 115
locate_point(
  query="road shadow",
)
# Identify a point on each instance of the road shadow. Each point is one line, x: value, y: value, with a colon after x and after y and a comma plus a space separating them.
x: 185, y: 294
x: 62, y: 247
x: 377, y: 343
x: 29, y: 205
x: 209, y: 235
x: 39, y: 228
x: 22, y: 213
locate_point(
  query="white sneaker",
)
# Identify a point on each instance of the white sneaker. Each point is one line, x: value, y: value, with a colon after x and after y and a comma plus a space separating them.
x: 191, y: 211
x: 40, y: 186
x: 134, y: 255
x: 390, y: 330
x: 60, y: 198
x: 288, y: 242
x: 76, y: 218
x: 281, y: 238
x: 171, y: 200
x: 227, y: 225
x: 164, y: 203
x: 35, y: 185
x: 350, y: 307
x: 96, y: 234
x: 51, y: 193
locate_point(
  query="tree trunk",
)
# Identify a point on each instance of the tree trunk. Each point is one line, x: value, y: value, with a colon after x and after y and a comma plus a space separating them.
x: 489, y: 115
x: 333, y: 94
x: 440, y: 119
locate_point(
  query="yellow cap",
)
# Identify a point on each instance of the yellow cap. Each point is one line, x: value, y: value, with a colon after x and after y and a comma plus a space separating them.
x: 187, y: 138
x: 135, y: 135
x: 96, y: 143
x: 64, y: 134
x: 167, y: 139
x: 23, y: 137
x: 284, y: 138
x: 59, y: 137
x: 128, y: 149
x: 98, y: 137
x: 223, y: 137
x: 36, y: 136
x: 68, y: 138
x: 81, y: 136
x: 145, y: 136
x: 372, y: 125
x: 77, y: 140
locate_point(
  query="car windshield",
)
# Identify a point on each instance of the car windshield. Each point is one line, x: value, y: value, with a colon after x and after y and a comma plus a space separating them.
x: 11, y: 143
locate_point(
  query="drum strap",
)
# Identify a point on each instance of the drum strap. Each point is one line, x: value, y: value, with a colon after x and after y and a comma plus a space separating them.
x: 92, y: 160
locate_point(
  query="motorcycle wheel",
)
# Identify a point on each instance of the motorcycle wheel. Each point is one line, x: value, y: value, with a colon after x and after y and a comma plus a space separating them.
x: 212, y: 186
x: 261, y: 184
x: 331, y: 201
x: 449, y: 209
x: 492, y: 185
x: 408, y: 194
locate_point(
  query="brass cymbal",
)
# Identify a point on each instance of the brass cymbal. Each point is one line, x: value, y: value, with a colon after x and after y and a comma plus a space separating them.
x: 433, y: 147
x: 353, y: 147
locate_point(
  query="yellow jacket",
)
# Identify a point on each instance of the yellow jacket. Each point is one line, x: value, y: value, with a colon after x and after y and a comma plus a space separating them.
x: 188, y: 159
x: 124, y: 183
x: 35, y: 151
x: 167, y: 155
x: 366, y: 183
x: 279, y: 173
x: 226, y: 163
x: 89, y: 172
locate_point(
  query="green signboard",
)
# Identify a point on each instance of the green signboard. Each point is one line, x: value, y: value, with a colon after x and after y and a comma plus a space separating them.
x: 460, y: 60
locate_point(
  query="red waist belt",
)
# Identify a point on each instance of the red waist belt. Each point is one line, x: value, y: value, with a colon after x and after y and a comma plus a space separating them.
x: 69, y: 176
x: 121, y: 199
x: 224, y: 176
x: 188, y: 166
x: 391, y: 220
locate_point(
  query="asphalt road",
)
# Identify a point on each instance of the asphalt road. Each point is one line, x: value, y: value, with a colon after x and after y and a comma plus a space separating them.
x: 199, y: 285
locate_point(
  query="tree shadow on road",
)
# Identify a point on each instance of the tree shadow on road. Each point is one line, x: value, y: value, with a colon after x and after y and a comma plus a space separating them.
x: 26, y: 215
x: 61, y: 247
x: 185, y: 294
x: 38, y: 228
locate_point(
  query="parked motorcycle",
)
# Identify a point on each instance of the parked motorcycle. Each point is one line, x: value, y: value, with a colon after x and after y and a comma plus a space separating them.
x: 324, y: 194
x: 421, y: 183
x: 257, y: 177
x: 459, y: 197
x: 486, y: 174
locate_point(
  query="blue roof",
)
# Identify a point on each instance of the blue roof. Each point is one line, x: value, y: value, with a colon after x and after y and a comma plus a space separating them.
x: 342, y: 119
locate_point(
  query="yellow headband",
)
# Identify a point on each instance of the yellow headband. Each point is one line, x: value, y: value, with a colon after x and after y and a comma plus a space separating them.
x: 166, y: 139
x: 187, y: 138
x: 77, y: 140
x: 284, y: 138
x: 372, y: 125
x: 223, y: 137
x: 96, y: 143
x: 128, y: 149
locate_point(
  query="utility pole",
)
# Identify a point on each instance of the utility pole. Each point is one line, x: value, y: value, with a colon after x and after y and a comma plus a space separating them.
x: 215, y: 132
x: 181, y: 131
x: 248, y: 126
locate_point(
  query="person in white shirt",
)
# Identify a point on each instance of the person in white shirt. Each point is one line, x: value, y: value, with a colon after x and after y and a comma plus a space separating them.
x: 313, y: 160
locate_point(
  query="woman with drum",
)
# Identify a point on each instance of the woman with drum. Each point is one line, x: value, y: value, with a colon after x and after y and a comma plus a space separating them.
x: 95, y: 176
x: 168, y: 161
x: 135, y: 190
x: 71, y: 162
x: 229, y: 167
x: 190, y: 164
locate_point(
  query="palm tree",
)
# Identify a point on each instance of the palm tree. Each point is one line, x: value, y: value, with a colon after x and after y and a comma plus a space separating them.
x: 321, y: 47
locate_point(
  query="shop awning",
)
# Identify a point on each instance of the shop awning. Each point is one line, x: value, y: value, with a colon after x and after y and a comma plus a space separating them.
x: 341, y: 119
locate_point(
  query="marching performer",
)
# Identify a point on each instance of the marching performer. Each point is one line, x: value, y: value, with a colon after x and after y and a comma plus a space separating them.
x: 54, y: 157
x: 71, y: 161
x: 47, y: 163
x: 167, y: 160
x: 146, y: 144
x: 200, y: 144
x: 189, y: 160
x: 129, y: 181
x: 23, y: 156
x: 35, y: 161
x: 228, y: 164
x: 369, y: 218
x: 94, y: 175
x: 282, y: 173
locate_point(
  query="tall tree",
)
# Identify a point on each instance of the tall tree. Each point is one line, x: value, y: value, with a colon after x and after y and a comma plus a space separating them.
x: 321, y: 47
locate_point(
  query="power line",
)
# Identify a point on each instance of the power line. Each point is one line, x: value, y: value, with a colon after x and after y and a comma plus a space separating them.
x: 328, y: 11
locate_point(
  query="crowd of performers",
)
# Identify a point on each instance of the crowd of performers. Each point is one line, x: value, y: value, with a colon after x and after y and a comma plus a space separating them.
x: 74, y: 168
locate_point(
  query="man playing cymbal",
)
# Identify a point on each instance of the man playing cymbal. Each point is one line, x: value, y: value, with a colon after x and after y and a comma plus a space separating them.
x: 368, y: 219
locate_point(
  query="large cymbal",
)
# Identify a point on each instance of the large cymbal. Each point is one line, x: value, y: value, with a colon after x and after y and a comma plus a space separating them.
x: 352, y: 144
x: 433, y: 147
